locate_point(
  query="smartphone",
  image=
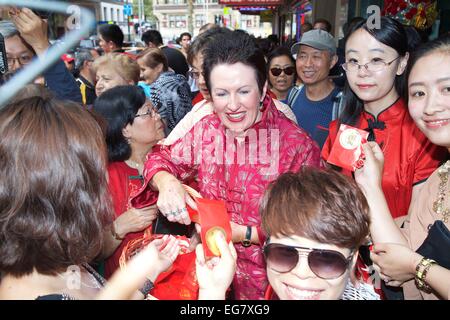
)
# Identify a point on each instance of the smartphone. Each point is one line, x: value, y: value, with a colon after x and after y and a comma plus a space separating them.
x: 3, y: 58
x: 163, y: 226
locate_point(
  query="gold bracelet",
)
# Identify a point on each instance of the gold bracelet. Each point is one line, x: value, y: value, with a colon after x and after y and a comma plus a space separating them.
x: 114, y: 233
x: 421, y: 274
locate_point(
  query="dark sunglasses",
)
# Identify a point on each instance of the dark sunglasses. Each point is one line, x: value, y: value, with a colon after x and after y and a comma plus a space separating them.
x: 289, y: 71
x: 326, y: 264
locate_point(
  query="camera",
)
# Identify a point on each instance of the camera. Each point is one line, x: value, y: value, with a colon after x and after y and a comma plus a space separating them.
x: 3, y: 58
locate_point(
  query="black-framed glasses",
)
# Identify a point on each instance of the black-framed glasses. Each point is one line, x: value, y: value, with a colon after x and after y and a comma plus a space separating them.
x: 194, y: 74
x: 289, y: 71
x: 23, y: 60
x: 326, y: 264
x: 152, y: 112
x: 372, y: 66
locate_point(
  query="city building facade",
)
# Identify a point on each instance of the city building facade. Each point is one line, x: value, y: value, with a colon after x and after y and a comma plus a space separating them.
x: 172, y: 16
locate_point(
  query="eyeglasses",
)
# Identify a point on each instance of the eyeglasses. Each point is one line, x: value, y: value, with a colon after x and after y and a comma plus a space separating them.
x: 150, y: 112
x: 372, y: 66
x: 23, y: 60
x: 194, y: 74
x: 326, y: 264
x: 289, y: 71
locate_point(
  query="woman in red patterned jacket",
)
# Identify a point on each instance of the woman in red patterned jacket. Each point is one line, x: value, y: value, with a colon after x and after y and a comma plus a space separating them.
x: 233, y: 154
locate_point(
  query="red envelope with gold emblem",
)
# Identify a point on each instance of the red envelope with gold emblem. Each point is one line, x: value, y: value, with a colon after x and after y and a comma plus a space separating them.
x: 213, y: 217
x: 347, y: 151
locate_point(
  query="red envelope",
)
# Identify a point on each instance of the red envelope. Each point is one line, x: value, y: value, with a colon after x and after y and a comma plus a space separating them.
x: 213, y: 217
x: 347, y: 151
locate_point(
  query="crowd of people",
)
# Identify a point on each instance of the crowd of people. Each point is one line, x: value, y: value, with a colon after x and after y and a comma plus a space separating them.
x: 97, y: 154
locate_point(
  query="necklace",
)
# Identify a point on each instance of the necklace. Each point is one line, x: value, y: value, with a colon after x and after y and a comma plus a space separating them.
x: 133, y: 164
x: 438, y: 205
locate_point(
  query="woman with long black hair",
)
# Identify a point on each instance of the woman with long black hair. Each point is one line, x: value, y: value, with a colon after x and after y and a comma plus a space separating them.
x: 375, y: 63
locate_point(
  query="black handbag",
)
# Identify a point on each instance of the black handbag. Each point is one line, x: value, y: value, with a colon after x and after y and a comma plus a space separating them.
x: 436, y: 246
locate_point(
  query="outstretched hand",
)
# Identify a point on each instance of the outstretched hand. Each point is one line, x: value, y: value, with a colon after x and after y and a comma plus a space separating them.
x: 215, y: 275
x: 370, y: 175
x: 157, y: 257
x: 172, y: 200
x: 164, y: 252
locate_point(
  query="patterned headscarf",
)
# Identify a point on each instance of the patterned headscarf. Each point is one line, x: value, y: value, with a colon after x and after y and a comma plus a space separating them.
x: 171, y: 96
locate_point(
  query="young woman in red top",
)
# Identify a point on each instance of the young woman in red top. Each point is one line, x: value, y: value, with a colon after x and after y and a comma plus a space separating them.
x: 375, y: 63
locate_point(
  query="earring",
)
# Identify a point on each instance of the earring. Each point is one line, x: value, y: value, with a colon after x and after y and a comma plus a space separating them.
x: 261, y: 105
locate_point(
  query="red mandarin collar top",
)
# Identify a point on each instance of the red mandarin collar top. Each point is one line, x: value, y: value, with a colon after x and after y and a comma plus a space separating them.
x: 409, y: 157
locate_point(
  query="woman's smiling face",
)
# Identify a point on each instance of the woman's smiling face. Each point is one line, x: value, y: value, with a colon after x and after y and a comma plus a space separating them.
x: 235, y: 95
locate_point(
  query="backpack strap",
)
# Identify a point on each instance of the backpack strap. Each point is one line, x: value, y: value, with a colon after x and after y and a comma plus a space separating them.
x: 293, y: 95
x: 338, y: 105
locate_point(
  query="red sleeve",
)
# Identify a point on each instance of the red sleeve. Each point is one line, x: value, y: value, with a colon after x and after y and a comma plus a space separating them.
x: 308, y: 157
x: 429, y: 158
x: 326, y: 149
x: 306, y: 153
x: 178, y: 159
x: 118, y: 186
x: 199, y: 97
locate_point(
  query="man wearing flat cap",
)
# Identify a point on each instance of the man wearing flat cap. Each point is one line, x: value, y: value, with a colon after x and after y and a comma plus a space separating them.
x: 317, y: 101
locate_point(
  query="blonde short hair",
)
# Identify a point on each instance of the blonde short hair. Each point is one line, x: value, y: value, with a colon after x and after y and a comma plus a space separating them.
x: 126, y: 67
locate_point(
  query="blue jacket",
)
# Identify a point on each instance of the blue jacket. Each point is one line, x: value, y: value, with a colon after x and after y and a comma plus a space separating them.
x: 62, y: 83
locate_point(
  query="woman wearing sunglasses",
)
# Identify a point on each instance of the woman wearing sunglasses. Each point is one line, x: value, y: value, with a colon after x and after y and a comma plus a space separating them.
x: 133, y: 128
x: 282, y: 72
x: 315, y: 221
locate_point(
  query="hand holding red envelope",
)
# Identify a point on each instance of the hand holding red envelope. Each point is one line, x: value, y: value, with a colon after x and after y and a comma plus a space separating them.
x: 213, y: 217
x: 347, y: 151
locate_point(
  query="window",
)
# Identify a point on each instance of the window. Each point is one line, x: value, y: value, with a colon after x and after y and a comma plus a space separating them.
x: 111, y: 17
x: 118, y: 15
x: 105, y: 14
x: 177, y: 22
x: 180, y: 21
x: 199, y: 20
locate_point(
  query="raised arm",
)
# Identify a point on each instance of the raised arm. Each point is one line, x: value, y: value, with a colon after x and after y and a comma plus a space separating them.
x: 382, y: 227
